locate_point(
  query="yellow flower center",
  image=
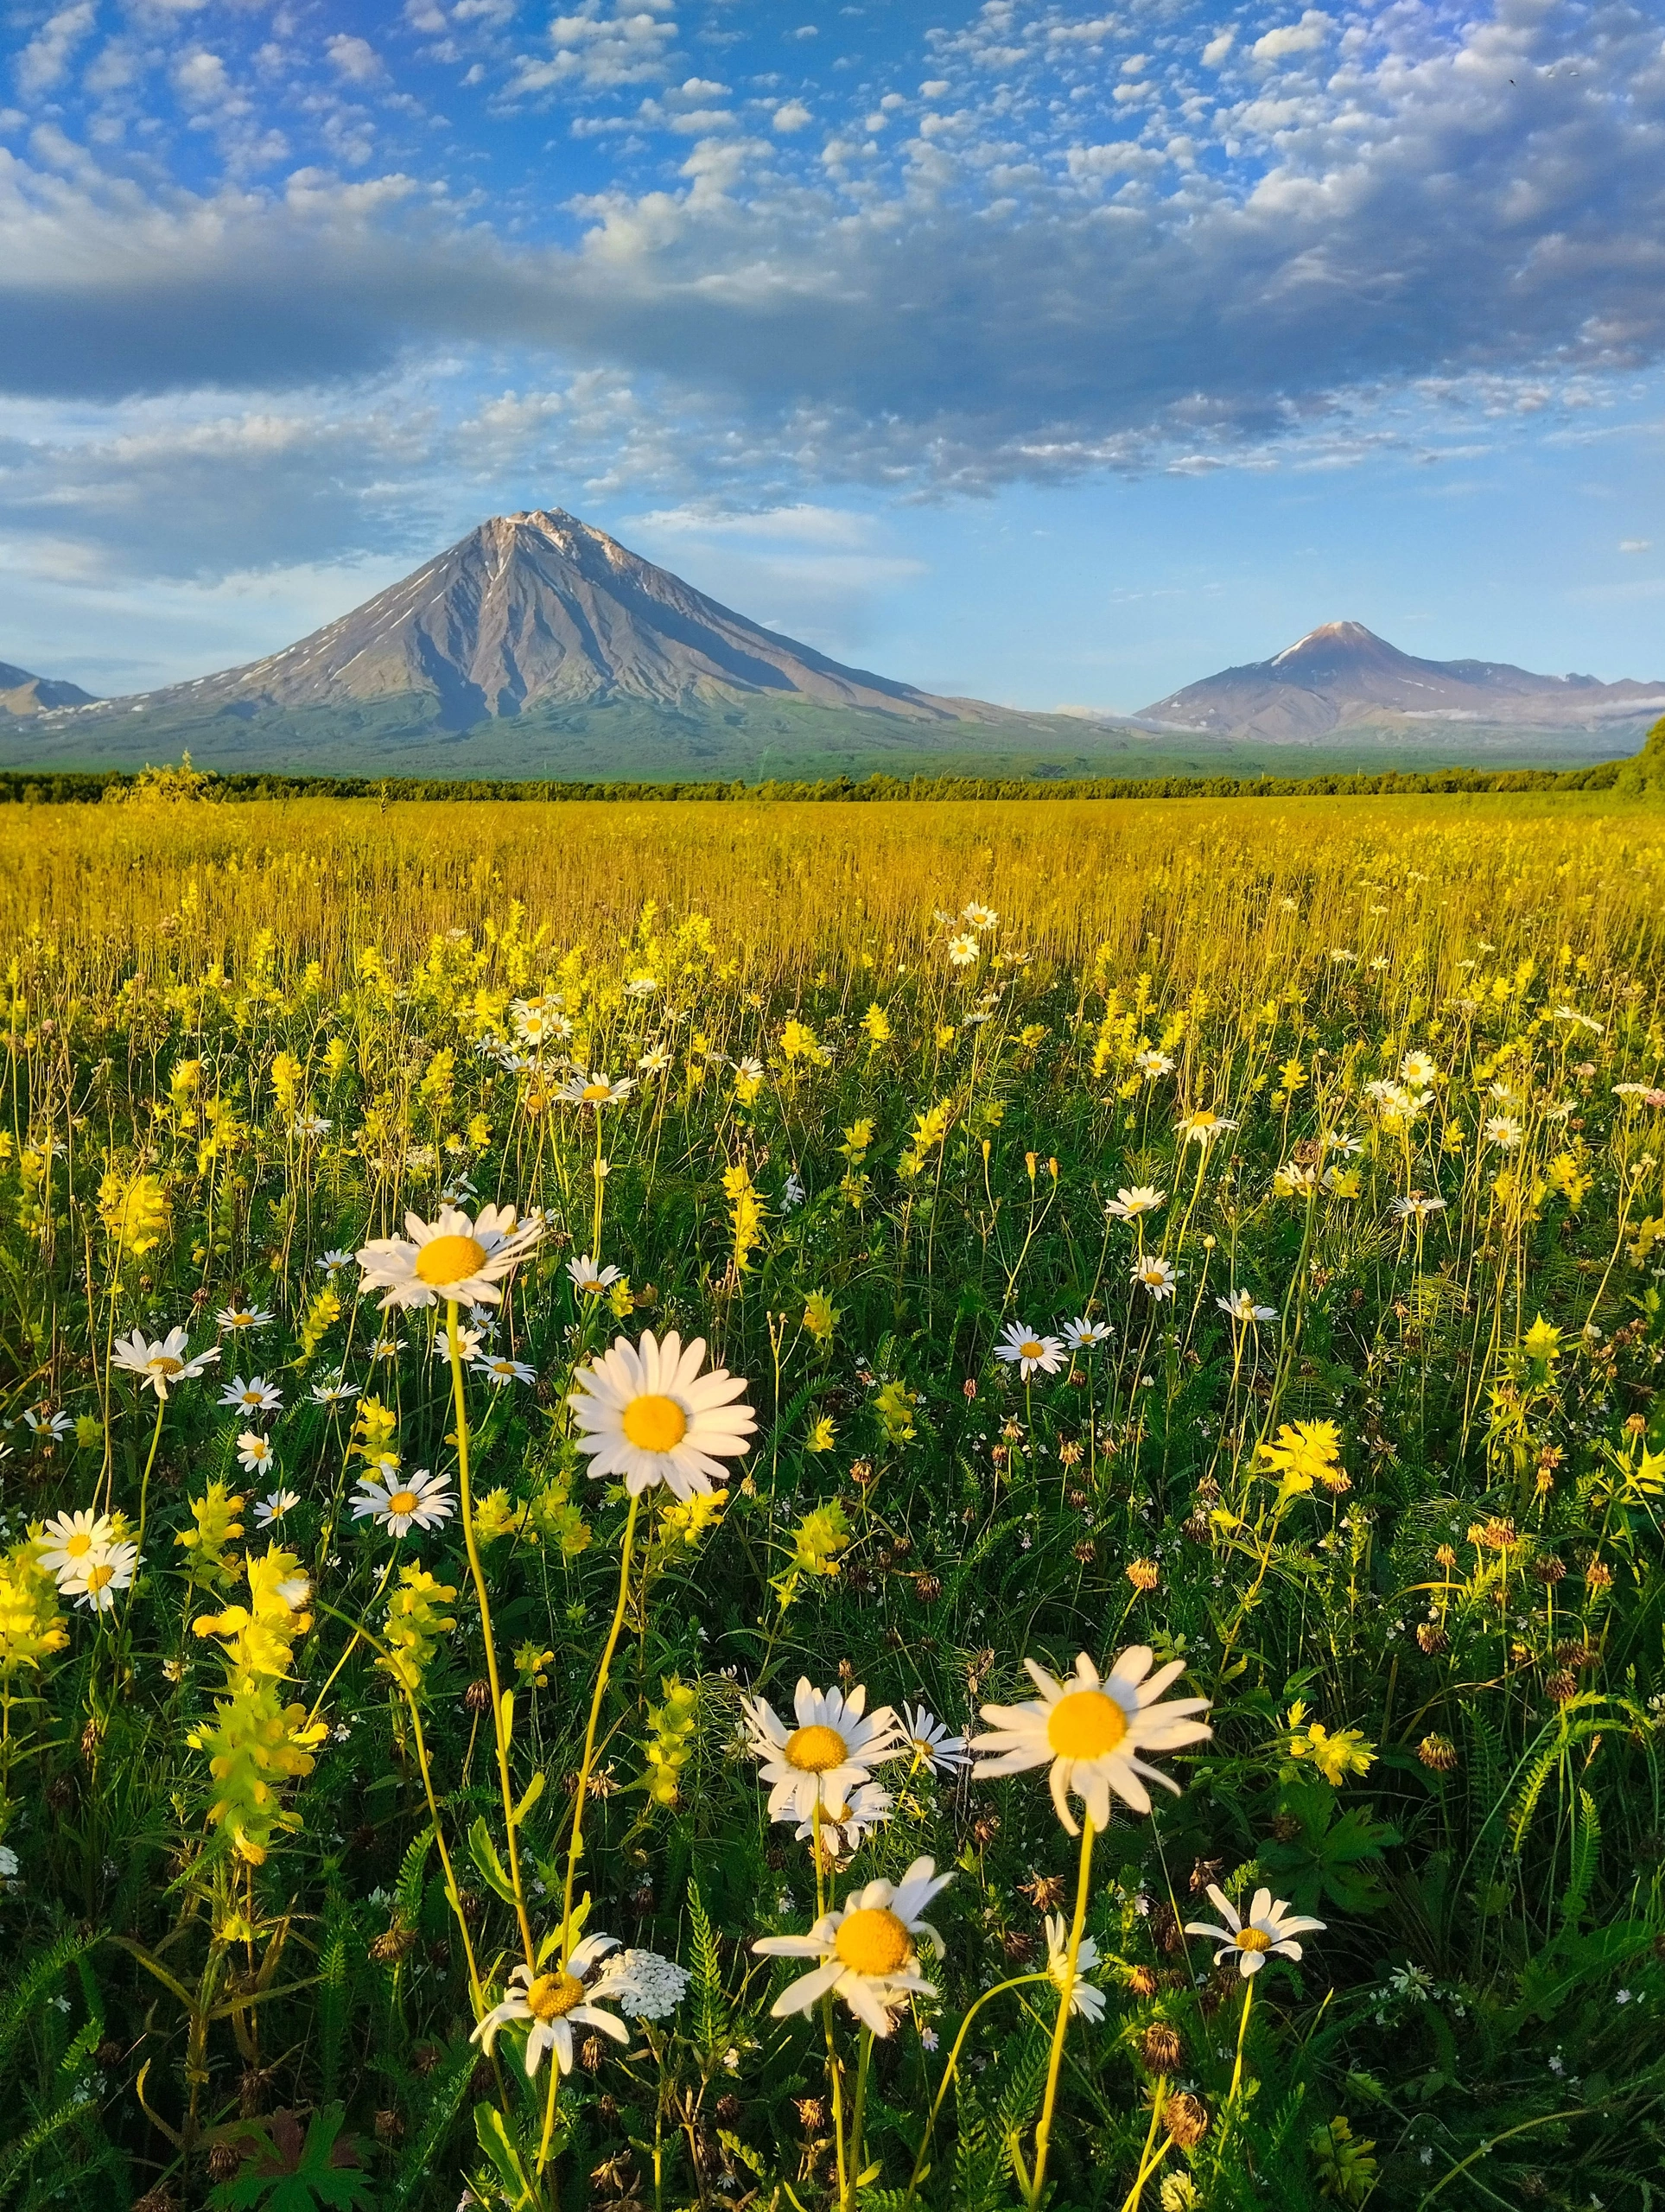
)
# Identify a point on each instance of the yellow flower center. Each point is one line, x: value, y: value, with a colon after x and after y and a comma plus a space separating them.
x: 816, y: 1750
x: 1085, y: 1725
x: 595, y: 1092
x: 97, y: 1576
x: 449, y: 1258
x: 403, y: 1501
x: 655, y: 1424
x: 553, y: 1995
x: 873, y: 1940
x: 164, y: 1364
x: 79, y: 1544
x: 1254, y: 1939
x: 1031, y: 1347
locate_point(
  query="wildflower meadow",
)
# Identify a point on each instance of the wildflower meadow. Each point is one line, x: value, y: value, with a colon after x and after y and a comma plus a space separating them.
x: 832, y: 1507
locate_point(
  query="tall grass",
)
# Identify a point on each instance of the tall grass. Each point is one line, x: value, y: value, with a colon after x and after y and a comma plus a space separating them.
x: 1362, y: 1437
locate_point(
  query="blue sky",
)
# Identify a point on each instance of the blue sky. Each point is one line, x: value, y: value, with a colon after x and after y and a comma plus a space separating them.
x: 1055, y: 353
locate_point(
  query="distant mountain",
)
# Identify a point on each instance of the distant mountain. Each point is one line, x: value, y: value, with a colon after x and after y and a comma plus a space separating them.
x: 22, y: 695
x: 1342, y: 677
x: 539, y: 610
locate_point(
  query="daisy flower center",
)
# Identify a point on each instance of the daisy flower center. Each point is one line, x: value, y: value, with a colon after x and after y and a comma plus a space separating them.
x: 449, y: 1258
x: 163, y: 1364
x: 815, y: 1750
x: 1253, y: 1939
x: 1085, y: 1725
x: 655, y: 1424
x: 552, y: 1996
x: 78, y: 1545
x: 403, y: 1501
x: 594, y: 1092
x: 97, y: 1576
x: 1032, y: 1348
x: 873, y: 1940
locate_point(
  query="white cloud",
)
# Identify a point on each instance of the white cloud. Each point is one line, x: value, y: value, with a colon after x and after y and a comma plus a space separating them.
x: 45, y: 60
x: 1635, y: 545
x: 1303, y: 37
x: 1217, y: 49
x: 790, y: 115
x: 355, y: 59
x: 628, y: 46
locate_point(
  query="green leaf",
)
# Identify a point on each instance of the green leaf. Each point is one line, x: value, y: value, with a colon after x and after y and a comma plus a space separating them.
x: 284, y: 2172
x: 483, y: 1852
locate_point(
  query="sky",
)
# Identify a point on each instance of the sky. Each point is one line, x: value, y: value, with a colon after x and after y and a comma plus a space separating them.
x: 1055, y: 354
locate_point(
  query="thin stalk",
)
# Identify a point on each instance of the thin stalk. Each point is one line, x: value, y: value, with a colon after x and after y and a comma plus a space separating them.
x: 1066, y: 1992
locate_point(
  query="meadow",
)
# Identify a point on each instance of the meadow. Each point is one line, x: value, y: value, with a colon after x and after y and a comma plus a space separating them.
x: 942, y: 1506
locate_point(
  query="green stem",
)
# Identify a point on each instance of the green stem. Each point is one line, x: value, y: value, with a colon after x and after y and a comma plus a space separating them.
x: 575, y: 1848
x: 853, y: 2169
x: 476, y: 1568
x: 948, y: 2071
x: 1066, y: 1992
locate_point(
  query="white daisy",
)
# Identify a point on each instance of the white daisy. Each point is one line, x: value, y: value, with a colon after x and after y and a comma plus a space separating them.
x: 646, y: 1412
x: 1203, y: 1126
x: 451, y: 1257
x: 867, y: 1951
x: 835, y: 1746
x: 1157, y: 1274
x: 1127, y: 1205
x: 255, y: 1450
x: 981, y: 918
x: 161, y: 1362
x: 334, y: 1262
x: 234, y: 1319
x: 1418, y: 1070
x: 552, y: 2002
x: 333, y: 1390
x: 1152, y: 1063
x: 1503, y: 1130
x: 654, y: 1061
x: 400, y: 1501
x: 1416, y: 1207
x: 69, y: 1540
x: 95, y: 1579
x: 257, y: 1396
x: 963, y: 951
x: 842, y: 1828
x: 498, y: 1368
x: 1268, y: 1930
x: 1085, y: 2001
x: 583, y: 1088
x: 1092, y: 1729
x: 587, y: 1276
x: 1030, y: 1353
x: 468, y: 1343
x: 1241, y: 1308
x: 1082, y: 1335
x: 274, y: 1506
x: 42, y: 1421
x: 932, y: 1742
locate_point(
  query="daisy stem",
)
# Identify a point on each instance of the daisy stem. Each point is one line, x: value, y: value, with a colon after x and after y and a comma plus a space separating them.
x: 835, y: 2079
x: 138, y: 1541
x: 500, y: 1717
x: 952, y: 2069
x: 1066, y: 1992
x: 854, y: 2170
x: 1226, y: 2116
x: 575, y: 1848
x: 548, y: 2117
x: 1147, y: 2165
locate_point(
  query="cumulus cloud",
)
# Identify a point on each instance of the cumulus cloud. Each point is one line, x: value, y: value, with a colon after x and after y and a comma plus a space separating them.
x: 1025, y: 283
x: 45, y: 60
x: 1303, y: 37
x: 355, y: 59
